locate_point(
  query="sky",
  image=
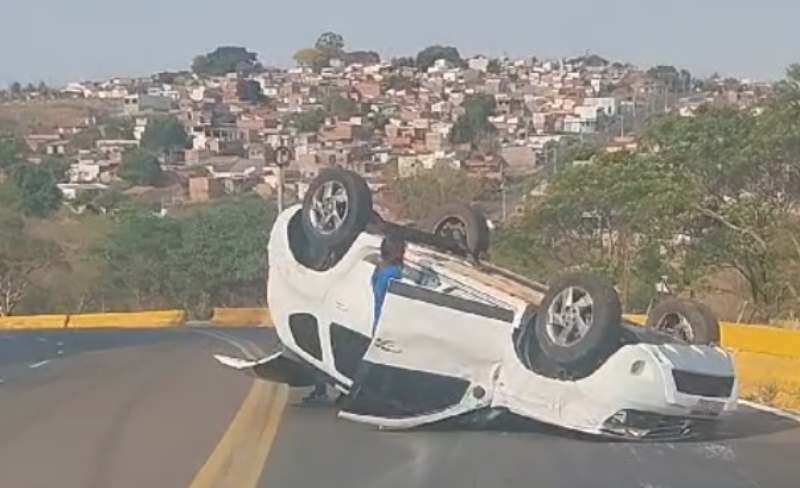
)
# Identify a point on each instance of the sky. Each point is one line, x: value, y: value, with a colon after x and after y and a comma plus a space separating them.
x: 58, y: 41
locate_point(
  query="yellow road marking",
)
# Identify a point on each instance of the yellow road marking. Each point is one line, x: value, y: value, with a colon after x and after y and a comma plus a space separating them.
x: 239, y: 458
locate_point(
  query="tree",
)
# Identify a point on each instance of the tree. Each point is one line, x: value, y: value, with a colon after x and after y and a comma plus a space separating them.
x: 214, y: 255
x: 614, y: 216
x: 474, y: 124
x: 136, y: 256
x: 43, y: 88
x: 10, y: 150
x: 39, y: 195
x: 57, y: 166
x: 165, y: 134
x: 404, y: 62
x: 309, y: 121
x: 494, y: 66
x: 397, y: 82
x: 15, y: 89
x: 141, y: 167
x: 340, y: 106
x: 222, y: 258
x: 21, y: 257
x: 419, y: 196
x: 674, y: 80
x: 118, y: 128
x: 330, y: 43
x: 365, y: 58
x: 430, y: 55
x: 86, y: 138
x: 311, y: 58
x: 224, y: 60
x: 594, y: 61
x: 250, y: 91
x: 707, y: 194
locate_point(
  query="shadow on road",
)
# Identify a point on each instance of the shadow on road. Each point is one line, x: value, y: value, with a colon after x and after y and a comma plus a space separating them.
x: 744, y: 423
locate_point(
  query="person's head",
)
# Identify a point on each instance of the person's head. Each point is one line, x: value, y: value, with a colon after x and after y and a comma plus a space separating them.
x: 393, y: 250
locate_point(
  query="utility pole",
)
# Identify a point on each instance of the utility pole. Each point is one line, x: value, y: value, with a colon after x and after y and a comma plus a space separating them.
x: 283, y: 156
x: 555, y: 158
x: 503, y: 189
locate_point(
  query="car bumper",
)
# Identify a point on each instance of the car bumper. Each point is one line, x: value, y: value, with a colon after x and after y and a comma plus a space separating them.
x: 641, y: 388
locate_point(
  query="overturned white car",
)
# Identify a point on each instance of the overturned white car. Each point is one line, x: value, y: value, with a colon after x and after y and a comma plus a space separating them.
x: 457, y: 337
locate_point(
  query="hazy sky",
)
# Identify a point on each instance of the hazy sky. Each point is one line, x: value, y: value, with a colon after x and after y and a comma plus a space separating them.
x: 66, y: 40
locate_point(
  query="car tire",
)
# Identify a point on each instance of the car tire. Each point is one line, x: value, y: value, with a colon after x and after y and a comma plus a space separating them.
x: 574, y: 347
x: 336, y: 208
x: 687, y: 320
x: 464, y: 224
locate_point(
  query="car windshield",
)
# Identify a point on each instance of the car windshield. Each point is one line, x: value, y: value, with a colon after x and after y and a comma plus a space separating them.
x: 399, y: 244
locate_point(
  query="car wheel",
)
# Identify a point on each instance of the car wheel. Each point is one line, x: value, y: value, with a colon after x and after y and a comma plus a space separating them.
x: 686, y: 320
x: 462, y: 223
x: 578, y: 323
x: 336, y: 207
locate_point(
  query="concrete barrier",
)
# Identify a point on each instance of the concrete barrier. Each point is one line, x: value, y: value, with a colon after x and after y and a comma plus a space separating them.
x: 763, y: 339
x: 158, y: 319
x: 241, y: 317
x: 768, y: 379
x: 33, y: 322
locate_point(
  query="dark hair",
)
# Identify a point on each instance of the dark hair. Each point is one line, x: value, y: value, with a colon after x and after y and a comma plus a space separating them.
x: 392, y: 250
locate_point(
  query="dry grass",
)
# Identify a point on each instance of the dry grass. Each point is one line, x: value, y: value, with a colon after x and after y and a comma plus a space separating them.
x: 24, y: 117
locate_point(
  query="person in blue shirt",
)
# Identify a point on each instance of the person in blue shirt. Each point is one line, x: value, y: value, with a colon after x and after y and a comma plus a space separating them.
x: 393, y: 251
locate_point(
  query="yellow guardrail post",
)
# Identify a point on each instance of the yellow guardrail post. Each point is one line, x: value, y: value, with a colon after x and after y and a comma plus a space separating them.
x: 33, y: 322
x: 242, y: 317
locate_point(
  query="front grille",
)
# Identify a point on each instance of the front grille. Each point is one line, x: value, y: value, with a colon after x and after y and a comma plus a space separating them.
x: 703, y: 384
x: 638, y: 425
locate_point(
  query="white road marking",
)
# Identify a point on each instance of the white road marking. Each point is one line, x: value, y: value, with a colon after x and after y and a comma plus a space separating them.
x: 238, y: 363
x: 233, y: 342
x: 772, y: 410
x: 39, y: 364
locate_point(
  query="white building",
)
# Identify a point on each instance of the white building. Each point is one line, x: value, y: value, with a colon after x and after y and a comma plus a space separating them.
x: 479, y: 63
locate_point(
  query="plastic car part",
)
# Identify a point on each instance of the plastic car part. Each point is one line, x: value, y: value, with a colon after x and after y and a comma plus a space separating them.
x: 463, y: 224
x: 336, y: 208
x: 281, y: 367
x: 578, y: 324
x: 686, y: 320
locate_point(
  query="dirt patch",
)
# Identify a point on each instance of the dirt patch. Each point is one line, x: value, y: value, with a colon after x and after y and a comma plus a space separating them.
x: 25, y: 117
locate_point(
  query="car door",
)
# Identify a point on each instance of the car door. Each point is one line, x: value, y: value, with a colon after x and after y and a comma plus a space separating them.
x: 434, y: 355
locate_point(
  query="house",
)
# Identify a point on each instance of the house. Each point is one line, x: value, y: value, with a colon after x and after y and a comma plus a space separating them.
x: 234, y: 167
x: 607, y: 104
x: 341, y: 131
x: 37, y: 143
x: 113, y: 149
x: 204, y: 188
x: 520, y: 160
x: 56, y: 148
x: 135, y: 104
x: 435, y: 141
x: 486, y: 167
x: 479, y: 63
x: 408, y: 165
x: 72, y: 191
x: 368, y: 89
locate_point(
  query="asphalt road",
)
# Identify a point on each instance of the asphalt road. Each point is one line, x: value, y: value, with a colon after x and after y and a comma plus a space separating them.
x: 752, y: 449
x: 119, y: 409
x: 112, y: 409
